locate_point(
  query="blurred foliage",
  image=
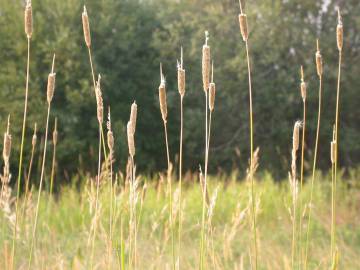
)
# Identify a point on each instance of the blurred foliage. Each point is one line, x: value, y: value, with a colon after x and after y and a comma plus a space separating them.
x: 131, y: 38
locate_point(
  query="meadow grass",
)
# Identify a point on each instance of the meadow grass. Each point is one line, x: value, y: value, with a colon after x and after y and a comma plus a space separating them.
x: 63, y: 232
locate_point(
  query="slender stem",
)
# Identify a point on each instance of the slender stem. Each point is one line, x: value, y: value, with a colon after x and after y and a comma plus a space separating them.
x: 96, y: 200
x: 52, y: 170
x: 202, y: 244
x: 313, y: 173
x: 332, y: 210
x: 94, y: 84
x: 336, y: 153
x: 293, y: 245
x: 180, y: 175
x: 27, y: 182
x: 40, y: 188
x: 134, y: 205
x: 21, y: 152
x: 170, y: 196
x: 302, y: 180
x: 252, y: 157
x: 111, y: 206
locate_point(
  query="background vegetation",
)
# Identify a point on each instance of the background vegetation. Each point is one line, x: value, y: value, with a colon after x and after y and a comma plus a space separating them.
x: 130, y: 38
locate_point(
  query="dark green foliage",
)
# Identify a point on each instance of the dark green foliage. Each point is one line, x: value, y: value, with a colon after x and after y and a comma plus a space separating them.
x: 130, y: 38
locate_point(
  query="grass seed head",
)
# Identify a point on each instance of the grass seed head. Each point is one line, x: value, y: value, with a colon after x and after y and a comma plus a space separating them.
x: 333, y: 151
x: 130, y: 137
x: 99, y: 100
x: 86, y: 28
x: 51, y: 83
x: 296, y: 135
x: 55, y: 133
x: 243, y: 26
x: 162, y: 96
x: 34, y: 137
x: 303, y: 85
x: 319, y: 61
x: 206, y: 63
x: 133, y: 115
x: 212, y: 90
x: 110, y: 135
x: 181, y: 75
x: 28, y: 19
x: 339, y: 32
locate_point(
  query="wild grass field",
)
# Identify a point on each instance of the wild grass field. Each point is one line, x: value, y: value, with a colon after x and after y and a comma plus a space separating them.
x: 63, y: 231
x: 106, y: 218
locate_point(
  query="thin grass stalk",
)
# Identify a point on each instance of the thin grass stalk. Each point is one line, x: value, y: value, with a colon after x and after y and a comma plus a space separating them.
x: 50, y: 90
x: 206, y: 74
x: 33, y: 144
x: 303, y: 94
x: 99, y: 114
x: 202, y: 244
x: 55, y: 136
x: 13, y: 250
x: 163, y: 109
x: 336, y: 138
x: 181, y: 86
x: 88, y: 45
x: 319, y: 71
x: 294, y: 189
x: 122, y: 245
x: 245, y: 35
x: 110, y: 143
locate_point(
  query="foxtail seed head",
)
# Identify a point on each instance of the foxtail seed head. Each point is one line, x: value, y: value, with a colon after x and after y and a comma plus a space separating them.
x: 34, y: 137
x: 86, y: 28
x: 133, y: 115
x: 212, y: 90
x: 130, y: 137
x: 243, y: 26
x: 339, y: 32
x: 333, y: 151
x: 99, y: 101
x: 55, y: 133
x: 181, y: 75
x: 319, y: 61
x: 28, y: 19
x: 51, y: 83
x: 7, y: 144
x: 206, y: 63
x: 110, y: 135
x: 162, y: 96
x: 303, y: 85
x: 296, y: 135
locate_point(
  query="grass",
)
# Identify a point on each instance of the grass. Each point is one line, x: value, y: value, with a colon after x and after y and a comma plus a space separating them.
x: 63, y: 232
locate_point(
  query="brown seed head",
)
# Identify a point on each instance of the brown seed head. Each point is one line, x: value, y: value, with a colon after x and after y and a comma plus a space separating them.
x: 7, y: 143
x: 55, y: 133
x: 243, y: 26
x: 206, y: 63
x: 50, y: 87
x: 51, y: 83
x: 303, y: 85
x: 339, y: 32
x: 34, y: 137
x: 28, y: 19
x: 181, y: 75
x: 86, y: 28
x: 110, y: 136
x: 212, y: 90
x: 319, y: 62
x: 133, y: 115
x: 333, y: 151
x: 130, y: 137
x: 296, y: 135
x: 162, y: 96
x: 99, y: 101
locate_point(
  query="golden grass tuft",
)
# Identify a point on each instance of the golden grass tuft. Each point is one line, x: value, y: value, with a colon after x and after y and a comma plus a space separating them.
x: 86, y: 28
